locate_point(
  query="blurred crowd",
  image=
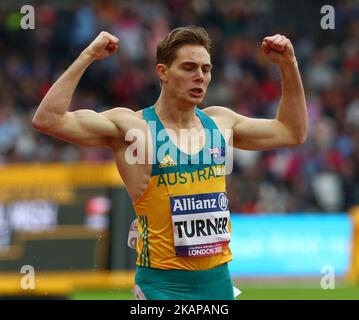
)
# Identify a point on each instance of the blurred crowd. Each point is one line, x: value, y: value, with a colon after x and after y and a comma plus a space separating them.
x: 320, y: 175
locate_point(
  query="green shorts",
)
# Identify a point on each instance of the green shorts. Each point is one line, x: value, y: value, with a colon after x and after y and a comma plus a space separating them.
x: 212, y: 284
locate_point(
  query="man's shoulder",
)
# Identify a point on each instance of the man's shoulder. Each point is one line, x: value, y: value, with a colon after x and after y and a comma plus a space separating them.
x: 126, y: 118
x: 224, y: 117
x: 124, y: 111
x: 216, y: 111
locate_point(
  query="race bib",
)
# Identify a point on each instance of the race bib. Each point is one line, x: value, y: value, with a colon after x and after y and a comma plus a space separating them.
x: 200, y: 224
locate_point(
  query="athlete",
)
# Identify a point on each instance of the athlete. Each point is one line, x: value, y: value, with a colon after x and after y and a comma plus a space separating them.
x: 178, y: 188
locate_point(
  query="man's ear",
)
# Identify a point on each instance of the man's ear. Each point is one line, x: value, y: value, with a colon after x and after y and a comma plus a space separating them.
x: 162, y: 70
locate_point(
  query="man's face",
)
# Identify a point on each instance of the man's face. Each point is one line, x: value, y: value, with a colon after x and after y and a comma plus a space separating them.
x: 189, y: 75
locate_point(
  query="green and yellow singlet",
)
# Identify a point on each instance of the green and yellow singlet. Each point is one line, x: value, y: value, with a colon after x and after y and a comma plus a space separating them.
x: 183, y: 215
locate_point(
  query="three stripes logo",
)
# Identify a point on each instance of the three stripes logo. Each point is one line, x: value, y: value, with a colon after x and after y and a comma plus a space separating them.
x: 167, y: 162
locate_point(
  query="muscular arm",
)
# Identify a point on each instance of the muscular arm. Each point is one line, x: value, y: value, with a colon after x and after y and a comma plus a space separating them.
x: 292, y: 112
x: 290, y: 125
x: 84, y: 127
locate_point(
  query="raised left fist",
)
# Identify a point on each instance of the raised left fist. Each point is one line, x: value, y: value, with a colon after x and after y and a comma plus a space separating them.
x: 278, y: 49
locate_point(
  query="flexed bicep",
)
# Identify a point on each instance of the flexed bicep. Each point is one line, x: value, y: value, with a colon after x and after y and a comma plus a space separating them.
x: 260, y: 134
x: 89, y: 128
x: 250, y: 133
x: 86, y: 127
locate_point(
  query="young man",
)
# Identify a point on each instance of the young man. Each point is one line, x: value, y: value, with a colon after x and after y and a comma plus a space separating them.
x: 180, y: 196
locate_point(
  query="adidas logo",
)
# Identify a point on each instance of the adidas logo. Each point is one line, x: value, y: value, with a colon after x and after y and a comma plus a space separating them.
x: 167, y: 162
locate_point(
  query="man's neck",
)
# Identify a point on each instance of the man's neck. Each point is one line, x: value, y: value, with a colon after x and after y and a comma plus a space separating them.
x: 176, y: 113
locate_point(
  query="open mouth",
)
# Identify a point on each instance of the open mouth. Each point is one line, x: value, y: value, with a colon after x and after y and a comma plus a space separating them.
x: 198, y: 92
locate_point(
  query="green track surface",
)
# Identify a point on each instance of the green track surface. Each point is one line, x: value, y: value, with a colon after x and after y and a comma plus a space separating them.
x: 249, y: 292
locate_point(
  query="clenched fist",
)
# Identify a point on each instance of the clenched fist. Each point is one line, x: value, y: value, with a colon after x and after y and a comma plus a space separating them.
x: 103, y: 46
x: 278, y: 49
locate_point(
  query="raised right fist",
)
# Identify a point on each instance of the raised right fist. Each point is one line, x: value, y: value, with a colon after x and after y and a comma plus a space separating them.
x: 103, y: 46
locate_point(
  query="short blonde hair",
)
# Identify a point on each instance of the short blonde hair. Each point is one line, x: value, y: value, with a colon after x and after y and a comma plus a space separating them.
x: 167, y: 47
